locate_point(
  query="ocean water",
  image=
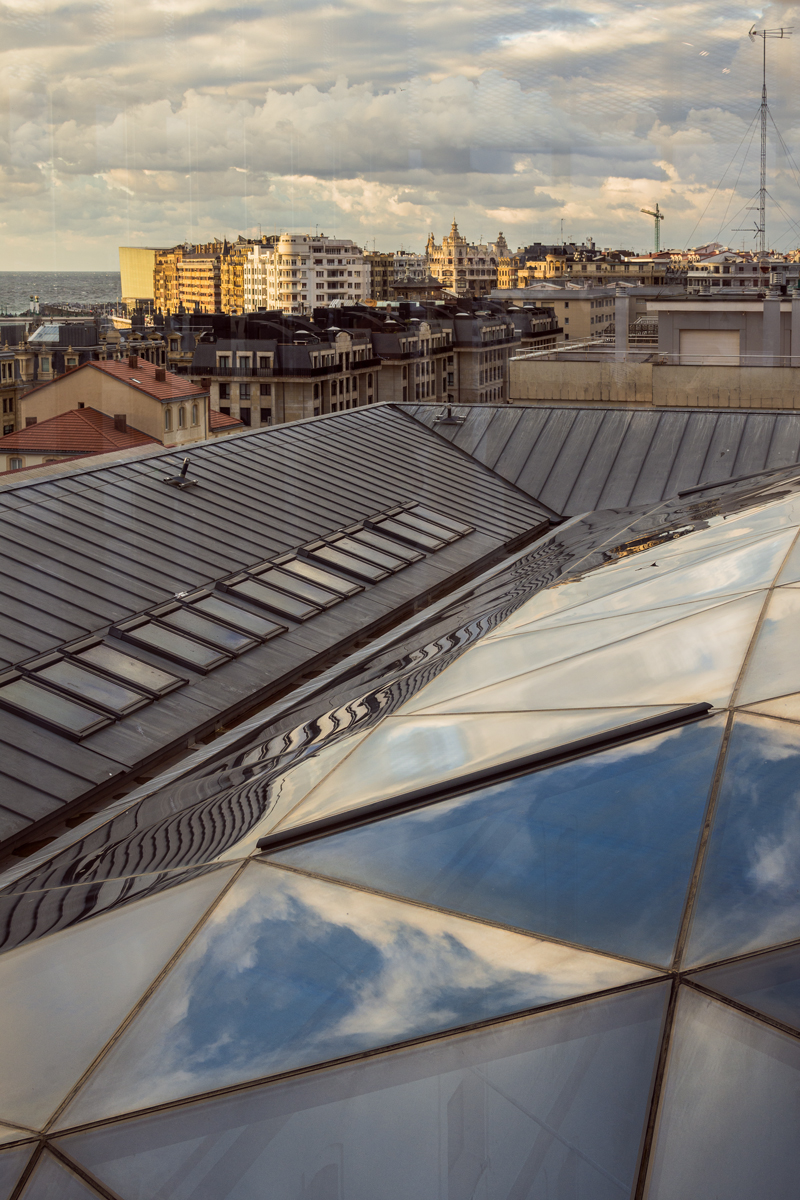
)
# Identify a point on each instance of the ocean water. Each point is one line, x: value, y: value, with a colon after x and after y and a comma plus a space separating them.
x: 57, y: 287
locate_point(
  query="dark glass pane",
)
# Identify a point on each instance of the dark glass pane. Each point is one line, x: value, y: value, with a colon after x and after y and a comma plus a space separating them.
x: 418, y: 522
x: 730, y: 1110
x: 301, y: 588
x: 259, y: 626
x: 199, y: 626
x: 26, y: 696
x: 314, y: 572
x: 287, y: 606
x: 93, y: 688
x: 392, y: 525
x: 351, y: 546
x: 324, y: 971
x: 164, y: 641
x: 12, y: 1164
x: 748, y: 896
x: 598, y: 851
x: 51, y: 1180
x: 438, y: 519
x: 356, y: 566
x: 132, y: 669
x: 768, y: 982
x: 511, y: 1111
x: 368, y: 537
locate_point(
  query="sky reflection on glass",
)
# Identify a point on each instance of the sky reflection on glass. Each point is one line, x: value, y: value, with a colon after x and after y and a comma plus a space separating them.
x: 774, y: 667
x: 767, y: 982
x: 748, y: 896
x: 555, y: 1100
x: 290, y: 971
x: 63, y: 996
x: 51, y: 1180
x: 598, y: 851
x: 730, y: 1110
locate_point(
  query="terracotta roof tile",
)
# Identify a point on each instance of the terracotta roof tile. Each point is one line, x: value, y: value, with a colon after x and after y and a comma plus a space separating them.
x: 143, y: 377
x: 79, y: 431
x: 218, y: 420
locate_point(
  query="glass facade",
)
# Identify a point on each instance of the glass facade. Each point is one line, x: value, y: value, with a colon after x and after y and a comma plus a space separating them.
x: 510, y: 911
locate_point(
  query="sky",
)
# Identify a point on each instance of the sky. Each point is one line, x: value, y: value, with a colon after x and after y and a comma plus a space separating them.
x: 161, y: 121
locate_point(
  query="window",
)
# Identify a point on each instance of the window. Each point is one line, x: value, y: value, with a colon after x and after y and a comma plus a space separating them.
x: 195, y: 416
x: 266, y: 389
x: 266, y: 416
x: 303, y: 589
x: 113, y: 662
x: 51, y: 709
x: 202, y: 627
x: 156, y: 638
x: 224, y: 392
x: 44, y: 364
x: 91, y: 687
x: 14, y: 464
x: 279, y: 602
x: 181, y: 417
x: 167, y: 419
x: 244, y: 415
x: 244, y: 391
x: 239, y: 618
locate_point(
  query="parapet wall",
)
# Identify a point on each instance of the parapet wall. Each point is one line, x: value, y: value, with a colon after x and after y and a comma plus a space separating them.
x: 538, y: 380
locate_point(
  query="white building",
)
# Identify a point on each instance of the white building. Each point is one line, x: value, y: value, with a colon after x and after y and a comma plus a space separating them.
x: 410, y: 268
x: 301, y: 272
x: 729, y: 269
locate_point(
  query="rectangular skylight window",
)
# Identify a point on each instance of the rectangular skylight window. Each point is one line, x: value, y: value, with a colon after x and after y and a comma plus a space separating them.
x: 50, y: 709
x: 199, y: 626
x: 346, y: 562
x: 428, y: 527
x: 173, y: 645
x: 393, y: 526
x: 270, y: 597
x: 427, y: 514
x: 389, y: 562
x: 303, y: 589
x: 94, y: 688
x: 132, y: 670
x: 240, y: 618
x: 326, y: 579
x: 369, y: 537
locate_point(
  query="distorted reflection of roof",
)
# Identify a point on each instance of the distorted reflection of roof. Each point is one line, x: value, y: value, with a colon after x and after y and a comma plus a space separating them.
x: 504, y: 904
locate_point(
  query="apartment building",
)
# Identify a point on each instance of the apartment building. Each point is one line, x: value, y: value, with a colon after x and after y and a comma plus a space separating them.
x: 586, y: 267
x: 743, y: 271
x: 301, y: 271
x: 381, y: 269
x: 465, y: 268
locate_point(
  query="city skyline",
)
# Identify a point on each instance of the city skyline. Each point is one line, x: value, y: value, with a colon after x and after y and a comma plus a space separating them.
x: 380, y: 122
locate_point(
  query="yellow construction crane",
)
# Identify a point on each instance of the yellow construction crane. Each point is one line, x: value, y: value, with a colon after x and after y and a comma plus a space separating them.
x: 659, y: 217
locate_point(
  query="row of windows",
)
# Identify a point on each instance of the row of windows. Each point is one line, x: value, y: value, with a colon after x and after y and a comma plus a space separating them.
x: 181, y: 417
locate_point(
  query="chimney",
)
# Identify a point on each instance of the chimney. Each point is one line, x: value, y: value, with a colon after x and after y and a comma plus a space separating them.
x: 121, y: 422
x: 161, y: 375
x: 133, y: 361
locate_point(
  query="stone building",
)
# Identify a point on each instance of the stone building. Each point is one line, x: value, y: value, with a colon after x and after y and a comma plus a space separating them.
x: 302, y: 271
x: 465, y: 268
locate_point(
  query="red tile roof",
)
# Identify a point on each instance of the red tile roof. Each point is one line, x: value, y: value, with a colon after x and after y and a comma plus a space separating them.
x: 79, y: 431
x: 218, y: 420
x: 143, y: 377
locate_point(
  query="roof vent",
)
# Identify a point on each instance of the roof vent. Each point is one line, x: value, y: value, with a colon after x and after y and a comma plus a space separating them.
x: 161, y: 375
x: 180, y: 481
x: 133, y: 360
x: 121, y: 422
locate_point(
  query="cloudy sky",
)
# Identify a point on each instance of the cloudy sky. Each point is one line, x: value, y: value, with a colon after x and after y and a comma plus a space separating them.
x: 155, y: 121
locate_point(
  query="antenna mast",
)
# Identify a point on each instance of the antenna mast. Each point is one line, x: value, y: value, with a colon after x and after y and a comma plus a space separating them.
x: 762, y: 191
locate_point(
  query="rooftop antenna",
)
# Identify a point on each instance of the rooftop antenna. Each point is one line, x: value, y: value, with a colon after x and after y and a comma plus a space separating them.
x: 659, y: 217
x: 754, y: 33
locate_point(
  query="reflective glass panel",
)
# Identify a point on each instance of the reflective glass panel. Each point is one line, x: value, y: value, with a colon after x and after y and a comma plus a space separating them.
x: 68, y: 715
x: 501, y: 1113
x: 350, y: 546
x: 356, y: 566
x: 418, y: 522
x: 406, y: 753
x: 598, y: 851
x: 280, y: 602
x: 769, y: 982
x: 132, y: 669
x: 51, y: 1180
x: 326, y: 579
x: 730, y: 1110
x: 787, y: 707
x: 396, y: 528
x: 301, y: 588
x: 369, y: 537
x: 748, y: 896
x: 260, y: 627
x: 93, y: 688
x: 695, y: 659
x: 436, y: 518
x: 290, y: 971
x: 165, y: 641
x: 774, y: 667
x: 12, y: 1164
x: 199, y: 626
x: 791, y: 569
x: 63, y: 996
x: 9, y: 1134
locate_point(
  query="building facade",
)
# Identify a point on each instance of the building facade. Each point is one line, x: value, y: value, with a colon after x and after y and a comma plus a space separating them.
x: 465, y: 268
x: 301, y: 271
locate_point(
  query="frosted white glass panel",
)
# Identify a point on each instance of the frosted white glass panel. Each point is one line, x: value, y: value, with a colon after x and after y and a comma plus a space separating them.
x: 774, y: 667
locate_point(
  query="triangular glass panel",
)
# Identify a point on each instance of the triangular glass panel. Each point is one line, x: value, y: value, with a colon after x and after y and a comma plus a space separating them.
x: 748, y: 897
x: 688, y: 661
x: 774, y: 667
x: 787, y: 707
x: 730, y: 1109
x: 791, y: 569
x: 497, y: 660
x: 12, y: 1164
x: 406, y: 753
x: 597, y: 851
x: 51, y: 1180
x: 62, y: 997
x: 289, y: 971
x: 768, y: 982
x: 504, y: 1111
x: 9, y: 1133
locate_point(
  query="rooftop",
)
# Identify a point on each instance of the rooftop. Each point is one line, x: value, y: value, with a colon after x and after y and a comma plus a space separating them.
x: 79, y: 431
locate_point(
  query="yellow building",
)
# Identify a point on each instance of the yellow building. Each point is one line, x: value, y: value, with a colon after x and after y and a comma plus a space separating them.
x: 136, y: 267
x: 466, y: 269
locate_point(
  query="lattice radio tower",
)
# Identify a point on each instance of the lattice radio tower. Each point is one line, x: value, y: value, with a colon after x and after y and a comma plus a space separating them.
x: 761, y: 229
